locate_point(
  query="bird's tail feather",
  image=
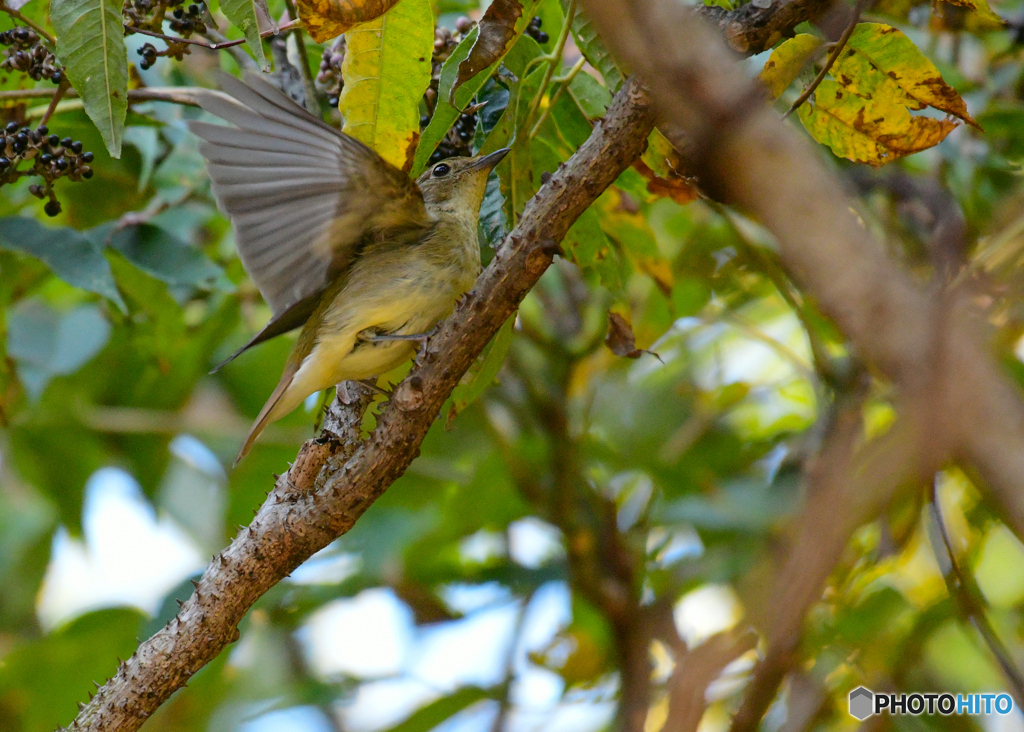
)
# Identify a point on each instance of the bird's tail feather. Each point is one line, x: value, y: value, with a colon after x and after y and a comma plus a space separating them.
x: 264, y: 418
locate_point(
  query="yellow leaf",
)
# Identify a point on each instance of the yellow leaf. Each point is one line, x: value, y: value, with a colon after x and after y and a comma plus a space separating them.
x: 661, y: 165
x: 875, y: 131
x: 327, y: 19
x: 386, y: 70
x: 787, y: 61
x: 881, y: 60
x: 984, y: 18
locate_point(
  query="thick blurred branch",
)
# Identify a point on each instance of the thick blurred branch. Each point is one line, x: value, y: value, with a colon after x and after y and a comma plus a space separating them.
x: 694, y: 672
x: 335, y: 478
x: 954, y: 402
x: 756, y: 27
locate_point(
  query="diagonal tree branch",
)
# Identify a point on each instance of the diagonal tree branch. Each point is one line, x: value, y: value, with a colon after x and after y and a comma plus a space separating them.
x: 336, y: 478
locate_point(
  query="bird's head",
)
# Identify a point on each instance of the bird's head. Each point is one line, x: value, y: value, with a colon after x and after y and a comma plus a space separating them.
x: 457, y: 184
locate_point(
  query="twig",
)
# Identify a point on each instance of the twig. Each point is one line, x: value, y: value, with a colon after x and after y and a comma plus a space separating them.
x: 312, y: 102
x: 176, y: 94
x: 833, y: 55
x: 27, y: 21
x: 563, y: 83
x: 505, y: 703
x: 694, y: 672
x: 554, y: 59
x: 61, y: 90
x: 967, y: 597
x: 207, y: 46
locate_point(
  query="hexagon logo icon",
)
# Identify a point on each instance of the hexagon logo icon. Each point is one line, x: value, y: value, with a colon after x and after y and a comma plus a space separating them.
x: 861, y: 703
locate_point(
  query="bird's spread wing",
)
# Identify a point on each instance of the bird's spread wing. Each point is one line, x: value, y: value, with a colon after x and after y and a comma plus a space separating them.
x: 302, y: 196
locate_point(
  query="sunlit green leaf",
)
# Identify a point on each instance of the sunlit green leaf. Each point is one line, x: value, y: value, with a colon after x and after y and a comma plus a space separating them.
x: 242, y: 14
x: 90, y: 44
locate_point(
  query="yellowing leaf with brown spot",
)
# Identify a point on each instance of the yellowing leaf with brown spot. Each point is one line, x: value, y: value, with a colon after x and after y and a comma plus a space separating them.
x: 983, y: 18
x: 787, y: 61
x: 879, y: 61
x: 327, y: 19
x: 386, y: 70
x: 873, y: 131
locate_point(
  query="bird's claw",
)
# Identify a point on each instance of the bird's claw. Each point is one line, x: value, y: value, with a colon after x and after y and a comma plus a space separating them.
x: 372, y: 336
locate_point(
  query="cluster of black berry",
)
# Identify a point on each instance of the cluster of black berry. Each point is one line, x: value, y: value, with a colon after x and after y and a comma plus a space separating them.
x: 444, y: 44
x: 26, y: 53
x: 149, y: 55
x: 188, y: 22
x: 459, y: 140
x: 329, y: 80
x: 150, y: 15
x: 533, y: 30
x: 50, y: 158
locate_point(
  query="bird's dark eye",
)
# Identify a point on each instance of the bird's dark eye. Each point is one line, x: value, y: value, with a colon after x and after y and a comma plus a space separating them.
x: 440, y: 171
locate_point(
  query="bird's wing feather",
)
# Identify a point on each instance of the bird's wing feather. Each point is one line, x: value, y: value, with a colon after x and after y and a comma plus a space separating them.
x: 302, y: 196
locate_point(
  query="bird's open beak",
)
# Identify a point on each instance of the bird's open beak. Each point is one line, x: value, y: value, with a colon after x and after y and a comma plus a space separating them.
x: 487, y: 162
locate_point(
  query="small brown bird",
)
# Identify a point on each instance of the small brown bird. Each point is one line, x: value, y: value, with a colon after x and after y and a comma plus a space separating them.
x: 338, y: 241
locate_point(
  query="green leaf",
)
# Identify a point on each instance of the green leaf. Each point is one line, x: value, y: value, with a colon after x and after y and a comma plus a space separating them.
x: 484, y: 370
x: 69, y: 254
x: 41, y: 681
x: 47, y: 343
x: 242, y: 13
x: 516, y: 171
x: 503, y: 133
x: 58, y: 462
x: 587, y: 246
x: 160, y: 254
x: 743, y: 505
x: 386, y: 70
x: 591, y: 97
x: 522, y: 51
x: 90, y: 44
x: 430, y: 716
x: 445, y: 113
x: 147, y: 141
x: 593, y: 49
x: 492, y: 218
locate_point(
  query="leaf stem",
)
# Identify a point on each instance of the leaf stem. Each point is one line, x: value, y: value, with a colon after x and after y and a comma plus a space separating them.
x: 34, y: 26
x: 563, y: 82
x: 553, y: 59
x: 832, y: 56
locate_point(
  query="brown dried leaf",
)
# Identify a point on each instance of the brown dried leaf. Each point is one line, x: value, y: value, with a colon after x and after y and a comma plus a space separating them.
x: 620, y: 339
x: 327, y: 19
x: 497, y: 30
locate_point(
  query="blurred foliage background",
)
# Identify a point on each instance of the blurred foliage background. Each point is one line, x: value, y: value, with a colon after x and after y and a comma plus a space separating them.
x: 474, y: 594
